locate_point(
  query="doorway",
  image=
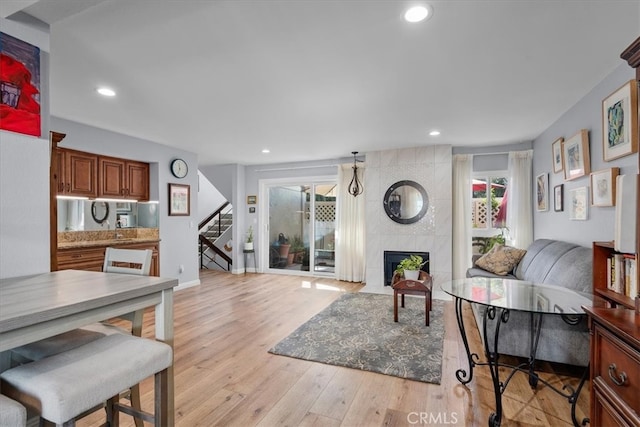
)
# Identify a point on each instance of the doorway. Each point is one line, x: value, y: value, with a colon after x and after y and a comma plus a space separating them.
x: 300, y: 222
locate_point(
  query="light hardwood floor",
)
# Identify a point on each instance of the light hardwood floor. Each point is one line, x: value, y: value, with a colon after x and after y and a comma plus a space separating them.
x: 224, y: 375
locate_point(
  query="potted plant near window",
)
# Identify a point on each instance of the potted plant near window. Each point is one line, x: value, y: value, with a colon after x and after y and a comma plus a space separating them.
x: 297, y: 248
x: 410, y: 267
x: 248, y: 244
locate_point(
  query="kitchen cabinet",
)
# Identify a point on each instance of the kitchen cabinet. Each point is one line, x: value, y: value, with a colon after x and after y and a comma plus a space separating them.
x: 91, y: 256
x: 123, y: 179
x: 76, y: 173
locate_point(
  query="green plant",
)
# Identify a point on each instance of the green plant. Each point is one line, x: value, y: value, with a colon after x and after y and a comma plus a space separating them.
x: 250, y: 234
x: 297, y: 245
x: 489, y: 242
x: 414, y: 262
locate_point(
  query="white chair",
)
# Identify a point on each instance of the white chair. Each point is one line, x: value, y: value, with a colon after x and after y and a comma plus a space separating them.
x: 124, y: 261
x: 12, y: 413
x: 71, y: 384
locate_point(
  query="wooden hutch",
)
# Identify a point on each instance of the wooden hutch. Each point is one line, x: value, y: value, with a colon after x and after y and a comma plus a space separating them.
x: 615, y: 329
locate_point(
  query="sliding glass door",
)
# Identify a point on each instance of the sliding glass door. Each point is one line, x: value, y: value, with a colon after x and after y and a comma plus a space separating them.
x: 300, y: 227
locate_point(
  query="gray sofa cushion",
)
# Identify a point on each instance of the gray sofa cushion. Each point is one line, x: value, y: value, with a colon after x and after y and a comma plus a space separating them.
x: 557, y: 263
x: 479, y: 272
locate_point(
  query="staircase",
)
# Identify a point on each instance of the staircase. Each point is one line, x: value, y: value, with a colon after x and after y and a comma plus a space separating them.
x: 211, y: 230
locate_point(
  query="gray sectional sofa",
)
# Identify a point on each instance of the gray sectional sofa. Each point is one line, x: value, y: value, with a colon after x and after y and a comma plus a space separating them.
x: 550, y: 262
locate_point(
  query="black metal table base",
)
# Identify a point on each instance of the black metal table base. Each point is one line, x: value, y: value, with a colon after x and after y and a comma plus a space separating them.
x: 493, y: 362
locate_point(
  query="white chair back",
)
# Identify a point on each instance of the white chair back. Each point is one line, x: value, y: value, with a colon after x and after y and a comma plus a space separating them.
x: 127, y: 261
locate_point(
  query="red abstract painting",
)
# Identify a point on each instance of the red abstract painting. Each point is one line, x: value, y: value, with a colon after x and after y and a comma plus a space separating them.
x: 19, y: 86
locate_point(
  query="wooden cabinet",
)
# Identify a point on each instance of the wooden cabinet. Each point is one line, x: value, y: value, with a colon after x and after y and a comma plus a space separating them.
x: 123, y: 179
x: 92, y: 258
x: 615, y: 367
x: 76, y: 173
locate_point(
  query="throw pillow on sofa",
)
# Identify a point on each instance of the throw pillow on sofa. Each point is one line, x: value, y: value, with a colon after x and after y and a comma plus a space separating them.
x: 501, y: 259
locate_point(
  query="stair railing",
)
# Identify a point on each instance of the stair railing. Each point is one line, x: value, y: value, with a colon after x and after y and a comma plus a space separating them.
x: 207, y: 243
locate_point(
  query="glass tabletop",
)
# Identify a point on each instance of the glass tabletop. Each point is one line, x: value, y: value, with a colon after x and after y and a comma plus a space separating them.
x: 521, y: 295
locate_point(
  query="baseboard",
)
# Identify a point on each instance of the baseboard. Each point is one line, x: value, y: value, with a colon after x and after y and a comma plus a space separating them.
x: 186, y: 285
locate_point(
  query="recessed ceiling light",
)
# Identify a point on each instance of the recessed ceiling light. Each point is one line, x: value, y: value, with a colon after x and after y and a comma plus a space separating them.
x: 266, y: 151
x: 105, y: 91
x: 434, y: 133
x: 418, y: 13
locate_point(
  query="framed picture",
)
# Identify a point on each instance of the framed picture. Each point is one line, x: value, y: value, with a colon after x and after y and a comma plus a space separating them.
x: 575, y: 156
x: 556, y: 152
x: 179, y: 200
x: 558, y: 198
x: 123, y: 207
x: 578, y: 206
x: 252, y: 210
x: 20, y: 86
x: 542, y: 192
x: 252, y: 200
x: 620, y: 122
x: 603, y: 187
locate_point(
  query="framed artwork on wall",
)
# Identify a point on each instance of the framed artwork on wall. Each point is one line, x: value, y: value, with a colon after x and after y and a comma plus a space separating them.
x: 603, y: 187
x: 252, y: 200
x: 575, y: 156
x: 20, y: 86
x: 620, y: 122
x: 179, y: 200
x: 542, y: 192
x: 558, y: 198
x: 556, y: 152
x: 578, y: 206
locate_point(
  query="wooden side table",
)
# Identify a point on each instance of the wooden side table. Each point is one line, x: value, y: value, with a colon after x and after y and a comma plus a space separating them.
x: 421, y: 287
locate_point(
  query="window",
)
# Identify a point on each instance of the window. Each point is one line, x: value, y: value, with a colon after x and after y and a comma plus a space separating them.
x: 489, y: 202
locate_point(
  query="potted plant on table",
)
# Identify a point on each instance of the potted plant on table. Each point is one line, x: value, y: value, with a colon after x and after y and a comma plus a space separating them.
x: 410, y: 267
x: 248, y: 244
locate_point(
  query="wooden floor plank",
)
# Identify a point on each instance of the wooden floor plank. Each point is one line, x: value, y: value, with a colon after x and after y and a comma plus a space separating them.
x: 225, y: 376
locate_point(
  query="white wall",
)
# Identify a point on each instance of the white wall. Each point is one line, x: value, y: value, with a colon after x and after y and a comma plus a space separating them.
x: 178, y: 234
x: 209, y: 198
x: 24, y: 179
x: 586, y: 114
x: 432, y: 168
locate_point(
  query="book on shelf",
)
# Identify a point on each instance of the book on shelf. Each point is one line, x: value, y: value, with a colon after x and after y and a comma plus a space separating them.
x: 621, y: 274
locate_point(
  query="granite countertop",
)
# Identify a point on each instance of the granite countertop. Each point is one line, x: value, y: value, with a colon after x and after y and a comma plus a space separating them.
x: 109, y: 242
x: 88, y: 239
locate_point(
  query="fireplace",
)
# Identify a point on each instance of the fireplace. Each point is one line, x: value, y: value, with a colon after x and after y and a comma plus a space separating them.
x: 393, y: 258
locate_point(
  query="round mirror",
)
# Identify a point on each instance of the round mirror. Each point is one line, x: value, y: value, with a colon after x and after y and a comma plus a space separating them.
x: 100, y: 211
x: 406, y: 202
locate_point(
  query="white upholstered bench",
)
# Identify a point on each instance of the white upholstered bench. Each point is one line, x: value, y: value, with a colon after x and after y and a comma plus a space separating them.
x: 67, y: 385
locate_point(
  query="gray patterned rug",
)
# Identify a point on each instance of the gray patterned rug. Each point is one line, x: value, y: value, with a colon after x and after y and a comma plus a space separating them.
x: 358, y: 331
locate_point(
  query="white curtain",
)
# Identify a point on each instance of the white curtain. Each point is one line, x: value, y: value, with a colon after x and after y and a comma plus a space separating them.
x: 462, y: 253
x: 350, y: 231
x: 519, y: 199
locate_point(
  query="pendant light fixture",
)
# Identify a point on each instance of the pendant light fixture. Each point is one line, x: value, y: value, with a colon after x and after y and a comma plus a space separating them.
x: 355, y: 186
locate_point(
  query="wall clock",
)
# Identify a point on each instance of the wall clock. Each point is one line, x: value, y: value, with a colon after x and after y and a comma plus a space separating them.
x: 179, y: 168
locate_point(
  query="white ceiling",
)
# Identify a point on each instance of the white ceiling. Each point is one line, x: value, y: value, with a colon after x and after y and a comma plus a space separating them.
x: 317, y: 79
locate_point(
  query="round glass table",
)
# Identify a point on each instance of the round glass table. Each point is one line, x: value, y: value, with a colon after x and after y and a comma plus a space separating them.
x: 500, y: 297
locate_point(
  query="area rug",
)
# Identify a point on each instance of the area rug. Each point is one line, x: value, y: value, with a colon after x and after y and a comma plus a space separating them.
x: 357, y: 331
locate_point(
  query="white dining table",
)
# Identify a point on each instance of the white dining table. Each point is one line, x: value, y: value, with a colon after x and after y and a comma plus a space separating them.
x: 43, y: 305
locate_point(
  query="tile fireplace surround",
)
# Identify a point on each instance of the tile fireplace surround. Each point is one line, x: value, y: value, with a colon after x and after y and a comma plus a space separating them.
x: 432, y: 168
